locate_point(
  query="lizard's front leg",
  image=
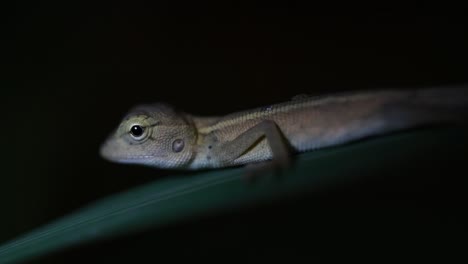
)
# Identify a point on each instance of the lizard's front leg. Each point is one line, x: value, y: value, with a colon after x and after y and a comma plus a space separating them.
x: 228, y: 152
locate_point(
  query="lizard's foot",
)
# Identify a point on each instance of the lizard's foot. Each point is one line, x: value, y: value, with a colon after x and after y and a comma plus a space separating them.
x: 276, y: 166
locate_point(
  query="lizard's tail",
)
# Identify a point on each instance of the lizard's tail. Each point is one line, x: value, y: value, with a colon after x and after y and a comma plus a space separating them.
x: 445, y: 103
x: 426, y: 106
x: 455, y: 96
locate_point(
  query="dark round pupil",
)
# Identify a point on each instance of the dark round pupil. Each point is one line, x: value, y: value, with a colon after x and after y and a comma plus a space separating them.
x: 137, y: 131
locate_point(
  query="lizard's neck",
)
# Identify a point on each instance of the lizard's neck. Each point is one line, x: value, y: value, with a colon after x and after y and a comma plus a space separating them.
x: 202, y: 157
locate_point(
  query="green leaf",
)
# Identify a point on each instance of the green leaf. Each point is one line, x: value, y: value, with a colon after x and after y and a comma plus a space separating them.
x: 196, y: 194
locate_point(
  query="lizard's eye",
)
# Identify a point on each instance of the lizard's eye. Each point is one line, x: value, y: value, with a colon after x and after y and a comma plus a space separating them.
x: 137, y: 132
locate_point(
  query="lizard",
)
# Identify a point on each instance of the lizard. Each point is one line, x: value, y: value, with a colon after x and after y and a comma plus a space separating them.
x: 162, y: 136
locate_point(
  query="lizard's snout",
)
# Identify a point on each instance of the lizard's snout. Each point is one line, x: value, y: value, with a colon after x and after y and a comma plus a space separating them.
x: 106, y: 151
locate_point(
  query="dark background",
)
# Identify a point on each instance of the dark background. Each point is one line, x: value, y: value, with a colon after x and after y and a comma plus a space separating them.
x: 71, y: 70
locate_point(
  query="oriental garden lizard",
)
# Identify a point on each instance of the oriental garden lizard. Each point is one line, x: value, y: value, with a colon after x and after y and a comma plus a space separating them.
x: 162, y: 136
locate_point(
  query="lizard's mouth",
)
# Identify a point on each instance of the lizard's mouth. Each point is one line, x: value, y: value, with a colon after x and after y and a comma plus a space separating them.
x: 112, y: 152
x: 128, y: 159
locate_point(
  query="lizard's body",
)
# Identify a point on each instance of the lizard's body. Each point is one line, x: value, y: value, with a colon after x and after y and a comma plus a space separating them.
x: 307, y: 124
x: 180, y: 140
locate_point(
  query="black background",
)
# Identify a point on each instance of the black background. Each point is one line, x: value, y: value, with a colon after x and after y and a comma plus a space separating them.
x: 71, y: 70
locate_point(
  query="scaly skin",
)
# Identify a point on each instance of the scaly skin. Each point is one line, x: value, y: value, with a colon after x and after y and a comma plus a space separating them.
x: 177, y: 140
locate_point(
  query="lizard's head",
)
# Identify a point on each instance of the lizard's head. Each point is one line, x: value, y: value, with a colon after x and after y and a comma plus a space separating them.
x: 154, y: 135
